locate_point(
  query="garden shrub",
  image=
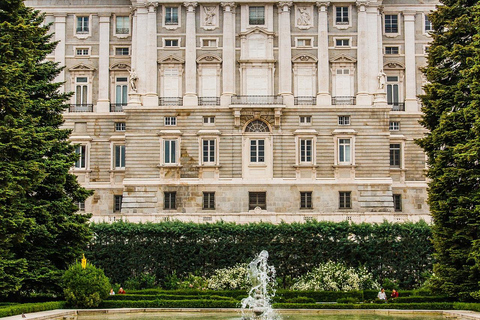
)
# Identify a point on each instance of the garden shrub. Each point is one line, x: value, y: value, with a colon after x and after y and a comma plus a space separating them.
x: 11, y: 310
x: 198, y: 303
x: 402, y: 306
x: 85, y: 288
x: 142, y: 281
x: 300, y: 300
x: 397, y: 251
x: 420, y: 299
x: 138, y: 297
x: 234, y: 278
x: 320, y: 296
x: 348, y: 300
x: 332, y: 276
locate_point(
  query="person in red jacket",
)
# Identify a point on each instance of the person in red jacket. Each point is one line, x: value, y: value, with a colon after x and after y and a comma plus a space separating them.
x: 394, y: 294
x: 121, y: 291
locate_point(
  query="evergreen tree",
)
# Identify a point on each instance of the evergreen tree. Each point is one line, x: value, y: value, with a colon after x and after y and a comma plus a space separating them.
x: 40, y: 232
x: 451, y: 106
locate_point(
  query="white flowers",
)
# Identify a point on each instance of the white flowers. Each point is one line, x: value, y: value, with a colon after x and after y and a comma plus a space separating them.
x: 332, y: 276
x: 233, y: 278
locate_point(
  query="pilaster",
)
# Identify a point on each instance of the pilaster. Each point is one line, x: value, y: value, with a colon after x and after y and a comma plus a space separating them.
x: 151, y: 96
x: 141, y: 19
x: 285, y: 52
x: 103, y: 102
x: 373, y: 54
x: 363, y: 98
x: 411, y: 104
x: 60, y: 34
x: 228, y: 65
x: 324, y: 97
x: 190, y: 98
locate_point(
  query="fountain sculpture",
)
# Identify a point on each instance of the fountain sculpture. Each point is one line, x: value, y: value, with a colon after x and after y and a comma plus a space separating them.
x: 258, y: 303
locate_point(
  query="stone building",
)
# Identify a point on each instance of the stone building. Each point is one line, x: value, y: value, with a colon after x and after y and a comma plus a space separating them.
x: 245, y: 111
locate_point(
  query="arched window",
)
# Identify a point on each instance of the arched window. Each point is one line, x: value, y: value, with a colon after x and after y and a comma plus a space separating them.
x: 257, y: 126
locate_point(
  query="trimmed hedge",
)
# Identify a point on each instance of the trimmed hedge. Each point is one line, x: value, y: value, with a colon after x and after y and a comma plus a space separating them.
x: 321, y: 296
x: 420, y: 299
x: 466, y: 306
x: 199, y: 303
x: 398, y: 251
x: 137, y: 297
x: 30, y: 307
x: 403, y: 306
x: 189, y: 292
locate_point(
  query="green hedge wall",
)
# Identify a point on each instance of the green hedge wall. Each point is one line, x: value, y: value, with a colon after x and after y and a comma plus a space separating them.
x: 401, y: 251
x: 170, y: 304
x: 402, y: 306
x: 138, y: 297
x: 30, y: 307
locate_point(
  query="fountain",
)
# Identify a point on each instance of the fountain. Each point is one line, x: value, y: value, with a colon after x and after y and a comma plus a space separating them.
x: 258, y: 303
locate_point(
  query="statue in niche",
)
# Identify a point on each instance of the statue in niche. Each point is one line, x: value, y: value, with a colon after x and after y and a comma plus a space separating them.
x: 381, y: 79
x: 304, y: 18
x: 209, y: 15
x: 133, y: 80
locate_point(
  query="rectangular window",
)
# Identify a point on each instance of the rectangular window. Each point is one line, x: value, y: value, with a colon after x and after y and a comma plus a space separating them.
x: 342, y: 42
x: 208, y: 200
x: 395, y: 149
x: 256, y: 15
x: 345, y: 200
x: 170, y: 151
x: 257, y: 199
x: 397, y: 202
x: 306, y: 146
x: 344, y: 120
x: 121, y: 91
x: 81, y: 163
x: 341, y: 15
x: 208, y: 150
x: 171, y: 42
x: 83, y: 25
x: 428, y: 24
x: 392, y: 91
x: 257, y: 150
x: 304, y: 42
x: 306, y: 200
x: 394, y: 126
x: 169, y: 201
x: 208, y: 120
x: 391, y: 50
x: 81, y: 91
x: 119, y: 157
x: 344, y: 151
x: 81, y: 205
x: 170, y: 121
x: 82, y: 51
x: 391, y: 23
x: 122, y: 25
x: 120, y: 126
x: 209, y: 43
x: 171, y: 15
x: 305, y: 119
x: 117, y: 203
x: 124, y: 51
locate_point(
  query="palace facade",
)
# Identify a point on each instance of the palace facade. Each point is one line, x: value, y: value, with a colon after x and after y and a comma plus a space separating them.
x: 245, y: 111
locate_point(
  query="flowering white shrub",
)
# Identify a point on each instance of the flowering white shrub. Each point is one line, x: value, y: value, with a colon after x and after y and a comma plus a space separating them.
x: 332, y: 276
x: 232, y: 278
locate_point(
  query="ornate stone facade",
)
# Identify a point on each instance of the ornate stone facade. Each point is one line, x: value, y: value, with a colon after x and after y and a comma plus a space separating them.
x: 245, y: 111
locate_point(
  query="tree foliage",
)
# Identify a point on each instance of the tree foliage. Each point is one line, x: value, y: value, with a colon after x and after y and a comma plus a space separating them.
x: 451, y: 106
x: 387, y: 250
x: 40, y: 234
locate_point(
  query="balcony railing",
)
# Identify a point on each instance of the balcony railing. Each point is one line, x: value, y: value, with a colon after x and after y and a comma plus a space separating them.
x: 117, y: 107
x: 304, y: 100
x: 208, y: 101
x: 397, y: 106
x: 340, y: 100
x: 80, y: 107
x: 170, y: 101
x: 257, y: 100
x: 122, y: 30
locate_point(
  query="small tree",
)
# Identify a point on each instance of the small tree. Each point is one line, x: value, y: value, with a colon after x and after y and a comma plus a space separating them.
x: 85, y: 288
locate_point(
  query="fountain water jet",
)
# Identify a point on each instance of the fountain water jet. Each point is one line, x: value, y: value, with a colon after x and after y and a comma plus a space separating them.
x: 258, y: 303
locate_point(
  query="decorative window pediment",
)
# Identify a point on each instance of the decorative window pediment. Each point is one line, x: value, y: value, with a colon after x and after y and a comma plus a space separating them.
x: 82, y: 67
x: 172, y: 59
x: 209, y: 58
x: 257, y: 30
x: 304, y: 58
x: 120, y: 67
x: 393, y: 65
x: 343, y: 59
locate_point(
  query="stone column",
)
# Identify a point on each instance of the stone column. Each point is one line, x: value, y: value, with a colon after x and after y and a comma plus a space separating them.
x: 133, y: 96
x: 190, y: 98
x: 151, y: 96
x: 363, y: 98
x: 229, y: 60
x: 285, y: 53
x: 324, y: 97
x: 141, y: 46
x: 410, y: 67
x: 60, y: 36
x: 103, y: 103
x: 380, y: 98
x: 372, y: 27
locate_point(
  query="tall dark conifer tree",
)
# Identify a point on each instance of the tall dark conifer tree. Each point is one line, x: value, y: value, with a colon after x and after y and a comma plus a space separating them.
x: 451, y: 106
x: 40, y: 232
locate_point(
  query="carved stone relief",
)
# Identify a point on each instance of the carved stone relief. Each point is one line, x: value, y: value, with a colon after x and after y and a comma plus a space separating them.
x: 209, y: 17
x: 303, y: 17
